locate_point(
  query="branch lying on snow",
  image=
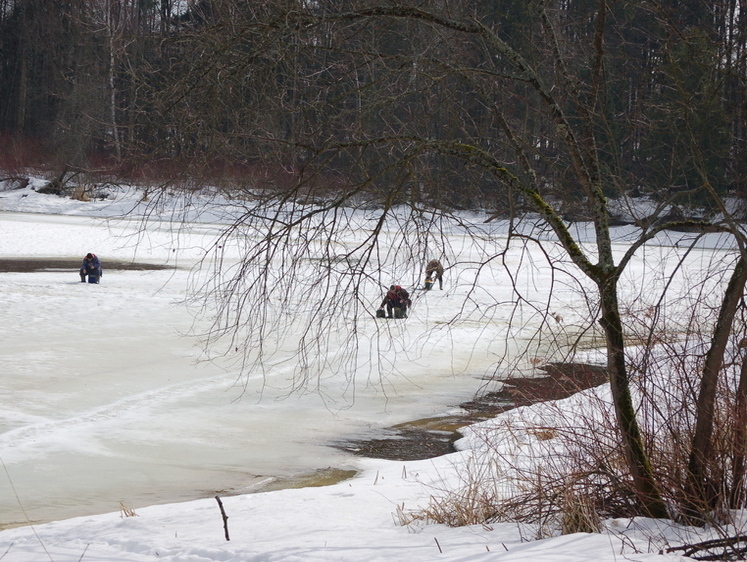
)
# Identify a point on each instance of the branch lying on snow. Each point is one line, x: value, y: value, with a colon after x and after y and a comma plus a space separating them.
x: 728, y: 544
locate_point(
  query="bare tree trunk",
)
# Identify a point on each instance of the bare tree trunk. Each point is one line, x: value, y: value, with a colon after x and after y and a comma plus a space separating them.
x: 633, y: 447
x: 740, y: 438
x: 113, y: 96
x: 698, y: 485
x: 22, y: 88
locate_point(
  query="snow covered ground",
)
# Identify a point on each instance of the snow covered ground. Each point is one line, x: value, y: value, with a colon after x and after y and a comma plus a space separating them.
x: 101, y: 402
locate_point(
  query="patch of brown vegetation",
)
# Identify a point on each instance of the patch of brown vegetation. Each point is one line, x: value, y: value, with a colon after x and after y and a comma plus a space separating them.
x: 562, y: 381
x: 432, y: 437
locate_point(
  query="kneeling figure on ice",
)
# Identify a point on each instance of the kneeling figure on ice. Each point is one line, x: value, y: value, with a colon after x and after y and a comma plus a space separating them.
x: 396, y: 301
x: 91, y: 268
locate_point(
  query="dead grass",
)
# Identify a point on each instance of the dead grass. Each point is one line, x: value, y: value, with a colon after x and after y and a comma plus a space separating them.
x: 126, y: 511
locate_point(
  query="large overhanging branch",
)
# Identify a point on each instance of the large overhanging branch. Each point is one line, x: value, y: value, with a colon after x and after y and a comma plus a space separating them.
x: 478, y: 157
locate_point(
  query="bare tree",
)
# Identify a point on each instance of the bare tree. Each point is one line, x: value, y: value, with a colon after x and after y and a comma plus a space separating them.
x: 413, y: 114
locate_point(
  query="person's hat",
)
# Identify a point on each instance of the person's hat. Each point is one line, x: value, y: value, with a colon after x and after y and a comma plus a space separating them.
x: 89, y: 256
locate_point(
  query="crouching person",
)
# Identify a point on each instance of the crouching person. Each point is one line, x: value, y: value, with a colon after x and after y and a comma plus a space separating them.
x: 434, y: 268
x: 91, y: 268
x: 396, y: 301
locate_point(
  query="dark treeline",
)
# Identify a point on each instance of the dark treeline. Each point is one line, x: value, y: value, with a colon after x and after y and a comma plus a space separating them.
x: 280, y: 89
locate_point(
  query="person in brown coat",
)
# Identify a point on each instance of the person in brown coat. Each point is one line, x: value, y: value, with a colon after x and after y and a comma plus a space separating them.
x: 434, y: 267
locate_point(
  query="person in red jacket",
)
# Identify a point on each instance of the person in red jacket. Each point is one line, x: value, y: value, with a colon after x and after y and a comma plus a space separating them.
x: 396, y: 298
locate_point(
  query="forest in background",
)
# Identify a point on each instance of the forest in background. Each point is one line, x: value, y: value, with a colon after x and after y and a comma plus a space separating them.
x: 269, y: 93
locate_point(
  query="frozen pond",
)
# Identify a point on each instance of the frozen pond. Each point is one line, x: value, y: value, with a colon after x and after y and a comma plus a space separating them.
x: 103, y: 399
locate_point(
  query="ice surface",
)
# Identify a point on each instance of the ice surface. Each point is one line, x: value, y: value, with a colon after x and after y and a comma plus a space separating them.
x: 103, y: 399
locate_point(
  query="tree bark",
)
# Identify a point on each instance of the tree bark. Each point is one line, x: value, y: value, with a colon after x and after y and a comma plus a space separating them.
x: 633, y: 447
x: 740, y: 439
x: 698, y: 485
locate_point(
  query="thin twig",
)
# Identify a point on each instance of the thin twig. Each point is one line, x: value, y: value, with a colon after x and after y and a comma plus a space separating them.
x: 225, y: 517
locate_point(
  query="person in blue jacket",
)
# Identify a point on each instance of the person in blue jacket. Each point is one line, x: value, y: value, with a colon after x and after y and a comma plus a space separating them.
x: 91, y: 267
